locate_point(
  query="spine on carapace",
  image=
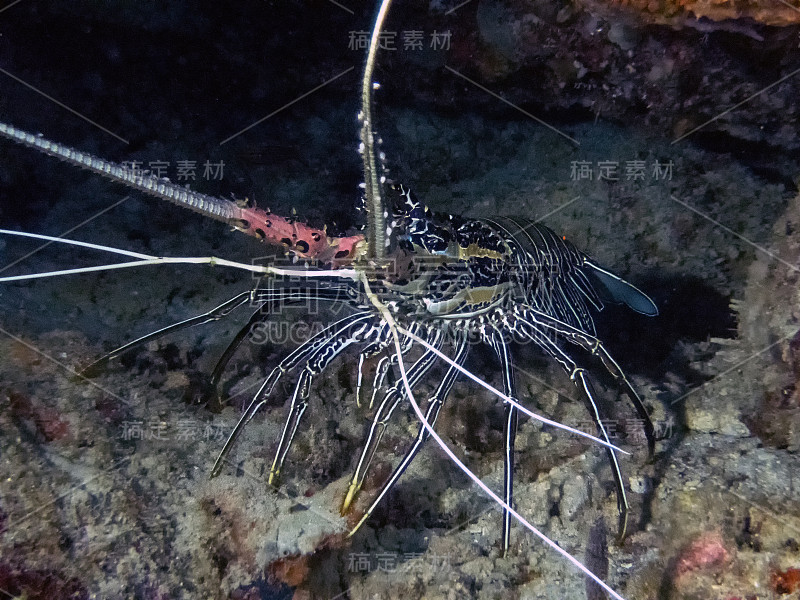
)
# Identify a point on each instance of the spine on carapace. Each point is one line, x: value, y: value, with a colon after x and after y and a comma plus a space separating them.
x: 304, y: 241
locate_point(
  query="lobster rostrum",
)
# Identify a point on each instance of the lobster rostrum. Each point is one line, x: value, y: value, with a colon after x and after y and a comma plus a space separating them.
x: 417, y: 280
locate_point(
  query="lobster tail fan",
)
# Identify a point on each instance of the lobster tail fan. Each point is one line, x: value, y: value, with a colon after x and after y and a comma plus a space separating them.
x: 617, y: 290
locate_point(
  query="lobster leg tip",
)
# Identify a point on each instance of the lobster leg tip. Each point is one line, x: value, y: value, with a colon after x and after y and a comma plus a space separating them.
x: 352, y: 492
x: 358, y: 525
x: 274, y: 476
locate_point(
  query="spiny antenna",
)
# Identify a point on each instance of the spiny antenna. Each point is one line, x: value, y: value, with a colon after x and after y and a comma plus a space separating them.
x: 216, y: 208
x: 373, y: 188
x: 303, y: 240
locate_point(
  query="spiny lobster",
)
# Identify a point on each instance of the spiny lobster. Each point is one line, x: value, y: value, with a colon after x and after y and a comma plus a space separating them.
x: 416, y: 280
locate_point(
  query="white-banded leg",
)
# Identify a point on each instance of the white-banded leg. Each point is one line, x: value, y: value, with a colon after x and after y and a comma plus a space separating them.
x: 510, y: 421
x: 578, y: 376
x: 317, y: 363
x: 269, y: 301
x: 382, y: 343
x: 435, y: 404
x: 302, y: 352
x: 382, y: 415
x: 297, y: 407
x: 371, y: 350
x: 386, y: 362
x: 214, y: 314
x: 381, y: 369
x: 233, y: 346
x: 538, y: 322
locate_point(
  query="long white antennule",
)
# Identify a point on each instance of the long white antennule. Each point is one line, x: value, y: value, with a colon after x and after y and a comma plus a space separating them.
x: 146, y: 259
x: 503, y: 396
x: 61, y: 240
x: 393, y: 327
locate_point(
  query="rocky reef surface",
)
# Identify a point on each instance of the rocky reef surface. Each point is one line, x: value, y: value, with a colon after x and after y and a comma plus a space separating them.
x: 660, y: 138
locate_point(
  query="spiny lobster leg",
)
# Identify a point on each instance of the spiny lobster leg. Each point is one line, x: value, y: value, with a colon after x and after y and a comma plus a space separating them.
x: 270, y: 300
x: 223, y: 310
x: 435, y: 404
x: 536, y: 320
x: 300, y: 353
x: 577, y: 374
x: 380, y: 374
x: 297, y: 408
x: 382, y: 415
x: 510, y: 422
x: 374, y: 348
x: 382, y: 368
x: 406, y: 343
x: 214, y: 314
x: 623, y: 508
x: 317, y: 363
x: 233, y: 346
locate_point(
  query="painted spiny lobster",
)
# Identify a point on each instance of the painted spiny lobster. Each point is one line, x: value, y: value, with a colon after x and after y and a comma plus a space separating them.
x: 417, y: 279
